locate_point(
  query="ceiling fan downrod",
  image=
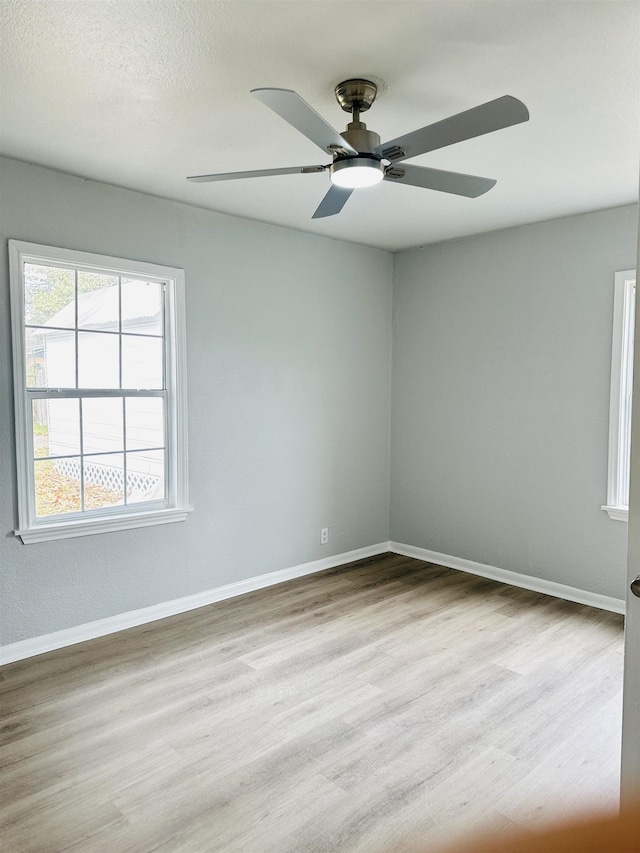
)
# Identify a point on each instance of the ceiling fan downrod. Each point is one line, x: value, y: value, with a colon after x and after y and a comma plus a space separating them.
x: 355, y: 97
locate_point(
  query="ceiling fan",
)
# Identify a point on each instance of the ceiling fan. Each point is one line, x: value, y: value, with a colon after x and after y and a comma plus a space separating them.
x: 360, y: 160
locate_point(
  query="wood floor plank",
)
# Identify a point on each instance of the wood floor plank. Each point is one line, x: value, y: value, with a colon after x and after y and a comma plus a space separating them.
x: 368, y: 707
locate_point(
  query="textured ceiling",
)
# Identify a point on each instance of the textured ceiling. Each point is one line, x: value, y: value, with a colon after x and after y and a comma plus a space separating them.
x: 141, y: 94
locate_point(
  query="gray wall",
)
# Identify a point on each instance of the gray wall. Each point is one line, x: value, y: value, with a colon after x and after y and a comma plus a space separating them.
x: 501, y: 365
x: 500, y: 402
x: 288, y: 371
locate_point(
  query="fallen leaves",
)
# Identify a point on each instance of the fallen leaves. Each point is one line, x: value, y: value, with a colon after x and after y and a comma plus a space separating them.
x: 59, y: 494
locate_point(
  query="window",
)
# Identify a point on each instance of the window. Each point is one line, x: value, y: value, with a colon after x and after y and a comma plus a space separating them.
x: 620, y: 402
x: 100, y: 394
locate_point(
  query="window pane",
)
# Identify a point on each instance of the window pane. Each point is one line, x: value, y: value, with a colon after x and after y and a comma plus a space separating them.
x: 57, y: 486
x: 141, y: 362
x: 102, y: 424
x: 103, y: 481
x: 36, y: 362
x: 50, y: 358
x: 98, y: 301
x: 49, y: 296
x: 56, y: 427
x: 141, y: 307
x: 98, y: 360
x: 145, y: 423
x: 145, y: 476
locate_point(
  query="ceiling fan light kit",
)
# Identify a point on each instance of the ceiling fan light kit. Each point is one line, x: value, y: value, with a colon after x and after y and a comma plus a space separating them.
x: 356, y: 172
x: 360, y: 160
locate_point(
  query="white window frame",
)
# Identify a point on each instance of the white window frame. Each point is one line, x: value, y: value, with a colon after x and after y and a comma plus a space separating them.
x: 617, y: 505
x: 175, y: 507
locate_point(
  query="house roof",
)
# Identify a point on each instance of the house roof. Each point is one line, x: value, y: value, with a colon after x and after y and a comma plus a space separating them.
x: 100, y: 308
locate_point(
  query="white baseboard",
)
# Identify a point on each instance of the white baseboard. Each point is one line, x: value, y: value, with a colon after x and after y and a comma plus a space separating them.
x: 91, y: 630
x: 132, y: 618
x: 558, y: 590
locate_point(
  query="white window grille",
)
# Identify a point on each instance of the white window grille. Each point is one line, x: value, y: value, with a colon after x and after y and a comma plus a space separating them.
x: 620, y: 398
x: 100, y: 392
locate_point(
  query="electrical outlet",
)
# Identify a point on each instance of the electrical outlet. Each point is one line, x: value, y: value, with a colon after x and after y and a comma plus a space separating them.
x: 324, y: 535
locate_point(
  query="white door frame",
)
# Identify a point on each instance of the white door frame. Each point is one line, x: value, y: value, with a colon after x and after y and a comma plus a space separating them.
x: 630, y: 777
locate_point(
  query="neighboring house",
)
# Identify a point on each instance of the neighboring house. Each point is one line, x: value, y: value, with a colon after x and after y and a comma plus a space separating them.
x: 98, y: 324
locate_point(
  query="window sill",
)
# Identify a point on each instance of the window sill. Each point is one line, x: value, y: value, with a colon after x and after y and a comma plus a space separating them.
x: 617, y: 513
x: 89, y: 527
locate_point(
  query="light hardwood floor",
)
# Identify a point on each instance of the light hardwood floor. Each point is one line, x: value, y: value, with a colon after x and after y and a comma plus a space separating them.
x: 364, y: 708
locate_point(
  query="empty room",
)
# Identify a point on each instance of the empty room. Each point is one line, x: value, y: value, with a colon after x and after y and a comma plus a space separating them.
x: 320, y: 514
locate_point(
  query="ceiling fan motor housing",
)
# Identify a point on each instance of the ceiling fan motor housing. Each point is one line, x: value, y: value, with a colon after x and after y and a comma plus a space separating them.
x: 365, y: 142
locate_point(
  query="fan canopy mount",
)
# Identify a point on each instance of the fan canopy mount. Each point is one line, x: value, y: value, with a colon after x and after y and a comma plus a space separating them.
x: 356, y: 95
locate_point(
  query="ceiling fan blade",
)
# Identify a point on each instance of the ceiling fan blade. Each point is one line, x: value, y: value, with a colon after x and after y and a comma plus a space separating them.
x: 258, y: 173
x: 494, y: 115
x: 290, y: 106
x: 470, y: 186
x: 333, y: 202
